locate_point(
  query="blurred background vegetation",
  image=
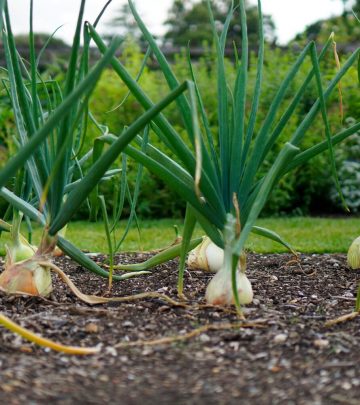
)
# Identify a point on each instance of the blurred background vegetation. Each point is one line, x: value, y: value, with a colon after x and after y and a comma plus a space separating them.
x: 307, y: 191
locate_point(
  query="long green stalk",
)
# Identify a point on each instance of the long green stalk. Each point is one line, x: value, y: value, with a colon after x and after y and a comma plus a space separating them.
x: 62, y: 110
x: 164, y: 129
x: 164, y: 256
x: 76, y: 197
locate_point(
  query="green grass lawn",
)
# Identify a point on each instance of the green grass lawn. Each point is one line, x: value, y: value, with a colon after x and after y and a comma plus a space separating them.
x: 306, y: 235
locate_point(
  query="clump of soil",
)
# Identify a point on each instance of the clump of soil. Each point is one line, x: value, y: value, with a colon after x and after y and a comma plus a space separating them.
x: 292, y: 359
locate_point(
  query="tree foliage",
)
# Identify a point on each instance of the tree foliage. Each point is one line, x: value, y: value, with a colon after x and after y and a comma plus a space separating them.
x: 188, y: 22
x: 345, y: 26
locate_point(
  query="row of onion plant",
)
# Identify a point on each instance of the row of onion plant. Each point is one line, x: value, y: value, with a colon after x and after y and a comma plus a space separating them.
x: 218, y: 176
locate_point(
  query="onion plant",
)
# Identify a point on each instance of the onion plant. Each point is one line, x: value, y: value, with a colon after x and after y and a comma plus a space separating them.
x: 50, y: 136
x: 50, y: 159
x: 110, y: 224
x: 48, y: 162
x: 32, y: 133
x: 220, y: 175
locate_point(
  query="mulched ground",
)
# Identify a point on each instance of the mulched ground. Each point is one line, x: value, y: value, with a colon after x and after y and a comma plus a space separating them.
x: 292, y: 359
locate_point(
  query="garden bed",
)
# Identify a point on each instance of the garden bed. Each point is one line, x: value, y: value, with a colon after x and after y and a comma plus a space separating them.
x: 286, y: 355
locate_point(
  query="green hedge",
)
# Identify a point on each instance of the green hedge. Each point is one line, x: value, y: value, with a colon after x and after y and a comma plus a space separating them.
x: 307, y: 190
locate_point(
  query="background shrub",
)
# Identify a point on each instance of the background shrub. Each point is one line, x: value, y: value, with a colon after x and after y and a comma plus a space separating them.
x: 348, y: 156
x: 307, y: 190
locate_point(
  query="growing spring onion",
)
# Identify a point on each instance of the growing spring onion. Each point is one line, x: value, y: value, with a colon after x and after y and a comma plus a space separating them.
x: 49, y: 170
x: 232, y: 178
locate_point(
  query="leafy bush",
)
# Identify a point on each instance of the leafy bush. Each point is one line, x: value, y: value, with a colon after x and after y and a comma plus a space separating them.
x: 349, y: 172
x: 298, y: 192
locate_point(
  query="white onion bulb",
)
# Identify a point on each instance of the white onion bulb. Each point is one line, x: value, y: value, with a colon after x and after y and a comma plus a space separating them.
x: 219, y: 291
x: 26, y: 277
x: 206, y: 256
x: 353, y: 256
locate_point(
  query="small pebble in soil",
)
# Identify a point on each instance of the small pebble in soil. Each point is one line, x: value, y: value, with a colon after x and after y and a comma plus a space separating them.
x: 321, y: 343
x: 91, y: 328
x: 280, y: 338
x: 204, y: 338
x: 111, y: 351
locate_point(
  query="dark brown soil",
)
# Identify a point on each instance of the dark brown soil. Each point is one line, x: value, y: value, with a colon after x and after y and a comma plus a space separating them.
x: 292, y: 359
